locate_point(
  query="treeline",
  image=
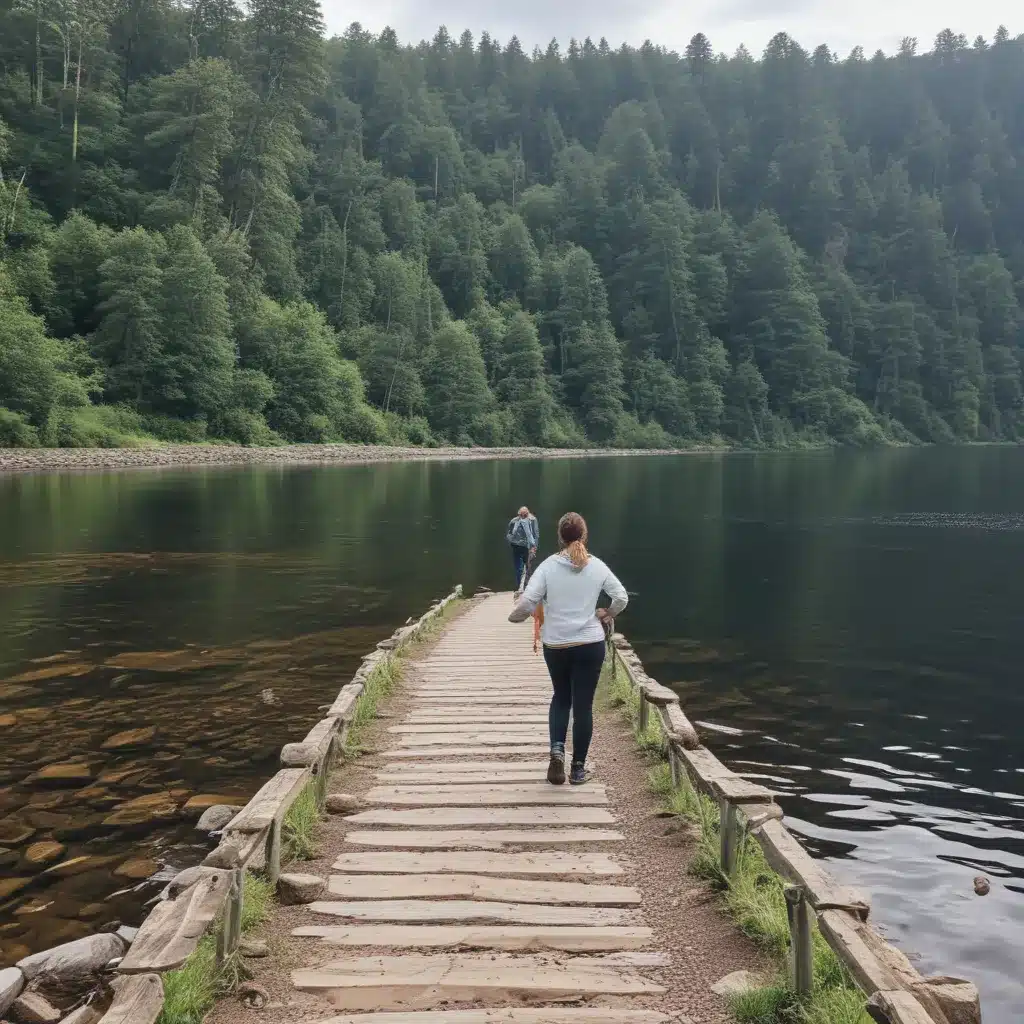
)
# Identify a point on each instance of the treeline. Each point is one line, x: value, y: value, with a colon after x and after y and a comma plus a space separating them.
x: 215, y: 224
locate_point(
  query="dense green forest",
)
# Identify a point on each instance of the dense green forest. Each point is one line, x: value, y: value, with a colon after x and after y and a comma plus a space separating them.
x: 214, y: 223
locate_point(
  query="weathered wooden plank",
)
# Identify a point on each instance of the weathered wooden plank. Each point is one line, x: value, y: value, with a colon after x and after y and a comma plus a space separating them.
x: 437, y: 717
x: 511, y: 938
x: 463, y: 817
x: 552, y: 862
x: 446, y: 726
x: 509, y: 737
x: 513, y: 774
x: 479, y: 887
x: 481, y: 700
x: 676, y: 724
x: 421, y: 982
x: 530, y: 750
x: 898, y: 1008
x: 482, y: 839
x: 842, y: 931
x: 482, y: 911
x: 784, y: 853
x: 345, y: 703
x: 137, y: 1000
x: 535, y: 784
x: 481, y: 796
x: 486, y: 768
x: 508, y: 1015
x: 271, y: 802
x: 174, y: 927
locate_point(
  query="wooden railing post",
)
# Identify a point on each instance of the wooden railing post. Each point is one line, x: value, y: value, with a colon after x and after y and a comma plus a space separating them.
x: 231, y: 932
x: 273, y: 853
x: 673, y: 763
x: 801, y: 944
x: 730, y: 834
x: 645, y: 714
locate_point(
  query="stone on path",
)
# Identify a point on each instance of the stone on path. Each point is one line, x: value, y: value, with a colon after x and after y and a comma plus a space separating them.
x: 479, y: 863
x: 735, y: 984
x: 297, y: 888
x: 515, y: 1015
x: 343, y: 803
x: 479, y: 887
x: 484, y: 839
x: 83, y: 1015
x: 519, y: 938
x: 254, y: 948
x: 412, y: 982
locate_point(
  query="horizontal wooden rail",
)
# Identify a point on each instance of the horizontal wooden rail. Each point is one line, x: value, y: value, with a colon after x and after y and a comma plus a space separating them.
x: 896, y: 993
x: 201, y: 896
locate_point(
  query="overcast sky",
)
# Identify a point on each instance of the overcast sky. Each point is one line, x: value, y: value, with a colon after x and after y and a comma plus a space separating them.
x: 872, y: 24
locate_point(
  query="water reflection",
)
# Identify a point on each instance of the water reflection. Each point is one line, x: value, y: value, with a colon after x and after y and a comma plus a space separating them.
x: 843, y: 626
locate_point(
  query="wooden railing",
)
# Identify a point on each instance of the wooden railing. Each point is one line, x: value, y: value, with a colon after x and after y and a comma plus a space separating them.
x: 895, y: 991
x: 213, y: 891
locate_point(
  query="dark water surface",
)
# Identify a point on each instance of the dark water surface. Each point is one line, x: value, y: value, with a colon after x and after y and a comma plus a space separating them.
x: 850, y: 625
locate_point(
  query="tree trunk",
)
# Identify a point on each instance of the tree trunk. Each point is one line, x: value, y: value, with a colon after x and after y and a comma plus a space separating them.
x: 39, y: 63
x: 344, y: 258
x: 78, y: 93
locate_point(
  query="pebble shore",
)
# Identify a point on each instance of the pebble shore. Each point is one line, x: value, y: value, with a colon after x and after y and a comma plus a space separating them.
x: 22, y: 460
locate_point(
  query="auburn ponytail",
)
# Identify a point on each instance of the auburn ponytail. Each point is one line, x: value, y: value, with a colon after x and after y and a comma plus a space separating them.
x: 572, y: 534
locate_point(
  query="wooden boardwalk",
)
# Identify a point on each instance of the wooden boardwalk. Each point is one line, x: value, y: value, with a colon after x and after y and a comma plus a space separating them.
x: 483, y: 887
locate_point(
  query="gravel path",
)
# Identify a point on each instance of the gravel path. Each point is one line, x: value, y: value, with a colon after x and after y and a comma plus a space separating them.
x: 701, y: 944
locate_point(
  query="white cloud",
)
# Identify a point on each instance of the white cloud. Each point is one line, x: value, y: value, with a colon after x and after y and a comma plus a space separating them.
x: 872, y: 24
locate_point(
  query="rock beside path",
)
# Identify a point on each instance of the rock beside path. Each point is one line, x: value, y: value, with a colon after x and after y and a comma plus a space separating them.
x: 343, y: 803
x: 34, y: 1008
x: 216, y: 817
x: 735, y: 984
x: 73, y: 962
x: 295, y: 889
x: 83, y: 1015
x: 12, y: 981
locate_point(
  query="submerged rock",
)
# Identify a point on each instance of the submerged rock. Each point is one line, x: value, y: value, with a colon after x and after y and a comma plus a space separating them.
x: 130, y: 738
x: 44, y: 852
x: 201, y: 802
x: 138, y: 869
x: 61, y: 775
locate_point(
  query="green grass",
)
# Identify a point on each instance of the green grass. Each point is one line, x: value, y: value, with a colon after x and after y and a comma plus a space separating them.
x: 300, y: 826
x: 753, y: 895
x: 190, y: 991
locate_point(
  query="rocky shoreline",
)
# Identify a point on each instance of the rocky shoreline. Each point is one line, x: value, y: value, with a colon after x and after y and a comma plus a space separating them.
x: 28, y: 460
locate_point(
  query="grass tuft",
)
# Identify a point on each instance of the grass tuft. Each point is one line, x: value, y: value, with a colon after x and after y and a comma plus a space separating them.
x: 753, y: 895
x: 189, y: 992
x: 300, y: 826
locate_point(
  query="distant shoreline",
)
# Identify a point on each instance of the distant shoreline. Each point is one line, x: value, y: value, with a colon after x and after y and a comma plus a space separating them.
x: 42, y: 460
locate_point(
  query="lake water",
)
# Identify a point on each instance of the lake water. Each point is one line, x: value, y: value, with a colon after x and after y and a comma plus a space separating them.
x: 846, y: 626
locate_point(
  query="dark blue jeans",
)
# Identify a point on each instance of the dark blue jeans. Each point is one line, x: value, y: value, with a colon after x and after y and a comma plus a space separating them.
x: 574, y: 672
x: 521, y: 559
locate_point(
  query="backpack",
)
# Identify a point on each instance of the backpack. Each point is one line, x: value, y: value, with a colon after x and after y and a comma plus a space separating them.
x: 518, y: 533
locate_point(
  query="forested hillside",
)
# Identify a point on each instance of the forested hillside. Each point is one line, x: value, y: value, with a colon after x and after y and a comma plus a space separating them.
x: 216, y: 224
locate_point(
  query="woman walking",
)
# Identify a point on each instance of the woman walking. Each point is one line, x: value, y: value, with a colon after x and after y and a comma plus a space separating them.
x: 569, y: 585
